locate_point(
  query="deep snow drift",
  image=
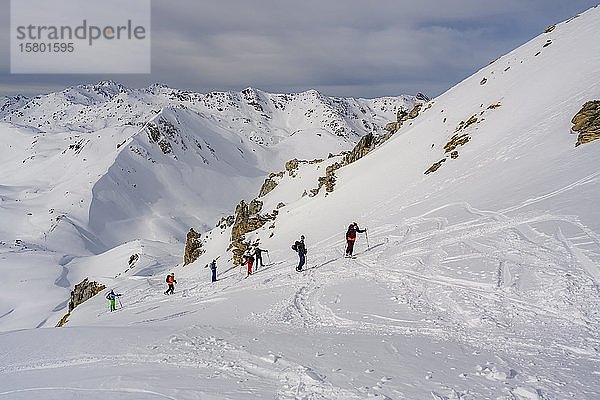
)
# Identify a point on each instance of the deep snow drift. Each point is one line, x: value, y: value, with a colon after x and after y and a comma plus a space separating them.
x: 480, y: 281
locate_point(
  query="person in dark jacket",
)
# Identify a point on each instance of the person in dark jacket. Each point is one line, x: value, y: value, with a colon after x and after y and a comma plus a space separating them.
x: 351, y: 237
x: 258, y: 257
x: 213, y: 270
x: 300, y: 248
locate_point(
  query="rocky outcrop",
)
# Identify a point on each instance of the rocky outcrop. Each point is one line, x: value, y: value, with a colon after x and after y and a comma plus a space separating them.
x: 329, y: 179
x: 365, y: 145
x: 83, y: 291
x: 465, y: 124
x: 193, y: 247
x: 414, y: 113
x: 435, y: 166
x: 402, y: 116
x: 587, y: 122
x: 292, y: 166
x: 270, y: 184
x: 455, y: 141
x: 422, y: 97
x: 458, y: 139
x: 247, y: 219
x: 133, y: 259
x: 160, y: 133
x: 550, y: 29
x: 255, y: 206
x: 362, y: 148
x: 226, y: 222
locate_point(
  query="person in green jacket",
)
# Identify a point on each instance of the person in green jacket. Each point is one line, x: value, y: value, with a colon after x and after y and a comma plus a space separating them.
x: 112, y: 297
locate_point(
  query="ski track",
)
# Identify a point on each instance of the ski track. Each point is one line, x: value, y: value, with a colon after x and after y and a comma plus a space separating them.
x: 525, y: 296
x: 491, y: 281
x: 78, y: 391
x: 292, y: 380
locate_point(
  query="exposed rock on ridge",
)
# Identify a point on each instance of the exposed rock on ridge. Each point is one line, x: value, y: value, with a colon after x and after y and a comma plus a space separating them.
x: 83, y: 291
x: 587, y: 122
x: 193, y: 247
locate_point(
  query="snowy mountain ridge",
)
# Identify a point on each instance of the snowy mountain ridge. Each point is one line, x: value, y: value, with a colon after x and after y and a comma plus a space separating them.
x: 256, y: 114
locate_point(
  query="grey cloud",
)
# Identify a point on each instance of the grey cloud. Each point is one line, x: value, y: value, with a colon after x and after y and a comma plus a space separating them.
x: 347, y: 48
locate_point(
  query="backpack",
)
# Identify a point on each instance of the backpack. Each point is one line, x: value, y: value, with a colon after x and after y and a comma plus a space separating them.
x: 167, y: 280
x: 294, y: 247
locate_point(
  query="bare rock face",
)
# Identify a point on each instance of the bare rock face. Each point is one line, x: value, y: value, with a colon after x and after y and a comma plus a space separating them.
x: 393, y: 126
x: 247, y: 219
x: 455, y: 141
x: 435, y: 166
x: 402, y: 116
x: 291, y: 166
x: 269, y: 184
x: 133, y: 259
x: 193, y: 247
x: 587, y: 122
x: 422, y: 97
x: 83, y: 291
x: 255, y: 206
x: 414, y: 113
x: 226, y: 222
x: 329, y: 179
x: 161, y: 133
x: 362, y: 148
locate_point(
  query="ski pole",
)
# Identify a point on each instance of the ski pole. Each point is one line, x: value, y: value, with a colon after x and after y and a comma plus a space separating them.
x: 269, y: 257
x: 121, y: 304
x: 367, y: 236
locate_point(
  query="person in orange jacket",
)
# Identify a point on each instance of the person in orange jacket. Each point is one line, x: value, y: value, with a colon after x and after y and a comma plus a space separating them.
x: 171, y: 282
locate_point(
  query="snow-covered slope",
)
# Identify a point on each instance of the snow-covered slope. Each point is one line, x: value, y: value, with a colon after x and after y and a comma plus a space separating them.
x: 98, y: 166
x: 479, y: 280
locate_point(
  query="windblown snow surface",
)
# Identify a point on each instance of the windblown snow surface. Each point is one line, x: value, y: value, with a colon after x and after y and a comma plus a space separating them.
x: 479, y: 280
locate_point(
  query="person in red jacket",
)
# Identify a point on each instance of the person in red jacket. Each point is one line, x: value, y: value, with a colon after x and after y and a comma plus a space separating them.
x: 249, y: 261
x: 351, y: 237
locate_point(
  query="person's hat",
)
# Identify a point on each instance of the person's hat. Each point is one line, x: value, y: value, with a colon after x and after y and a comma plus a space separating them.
x: 301, y: 236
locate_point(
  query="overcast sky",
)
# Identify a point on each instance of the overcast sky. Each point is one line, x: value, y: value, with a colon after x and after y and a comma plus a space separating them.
x: 359, y: 48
